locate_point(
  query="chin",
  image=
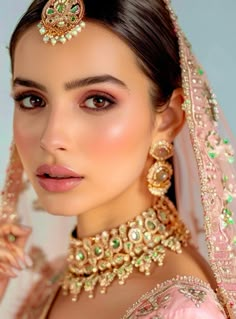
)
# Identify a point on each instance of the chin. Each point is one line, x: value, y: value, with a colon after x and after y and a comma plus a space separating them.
x: 57, y: 207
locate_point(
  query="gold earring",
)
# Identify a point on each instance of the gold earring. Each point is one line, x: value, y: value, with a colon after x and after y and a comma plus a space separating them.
x: 160, y: 173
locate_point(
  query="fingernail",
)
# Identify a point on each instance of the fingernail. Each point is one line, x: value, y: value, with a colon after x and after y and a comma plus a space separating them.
x: 26, y: 228
x: 28, y: 261
x: 16, y: 271
x: 21, y: 263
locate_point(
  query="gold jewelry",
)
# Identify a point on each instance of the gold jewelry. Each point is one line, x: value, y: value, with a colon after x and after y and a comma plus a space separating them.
x: 99, y: 260
x: 61, y: 20
x: 11, y: 238
x: 160, y: 173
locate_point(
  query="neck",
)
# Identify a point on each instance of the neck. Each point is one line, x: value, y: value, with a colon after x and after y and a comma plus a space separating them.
x: 125, y: 207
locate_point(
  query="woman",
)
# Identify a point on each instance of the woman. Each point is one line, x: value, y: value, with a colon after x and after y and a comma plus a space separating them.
x: 102, y: 90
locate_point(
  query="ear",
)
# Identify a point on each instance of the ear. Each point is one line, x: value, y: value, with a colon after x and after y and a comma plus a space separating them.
x: 170, y: 122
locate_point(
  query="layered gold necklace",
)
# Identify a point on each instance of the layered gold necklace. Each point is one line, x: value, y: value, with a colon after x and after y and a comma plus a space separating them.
x: 98, y: 261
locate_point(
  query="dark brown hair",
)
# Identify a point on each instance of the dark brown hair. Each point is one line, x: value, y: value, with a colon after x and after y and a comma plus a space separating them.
x: 145, y: 25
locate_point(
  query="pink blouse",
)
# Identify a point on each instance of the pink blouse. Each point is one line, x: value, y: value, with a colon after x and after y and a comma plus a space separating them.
x: 178, y: 298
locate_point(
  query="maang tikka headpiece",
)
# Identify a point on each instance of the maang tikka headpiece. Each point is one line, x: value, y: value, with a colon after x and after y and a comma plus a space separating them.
x: 61, y: 20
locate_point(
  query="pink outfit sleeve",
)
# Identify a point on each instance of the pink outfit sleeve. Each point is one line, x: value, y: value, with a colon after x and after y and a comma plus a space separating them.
x: 194, y: 303
x: 181, y: 299
x: 201, y: 313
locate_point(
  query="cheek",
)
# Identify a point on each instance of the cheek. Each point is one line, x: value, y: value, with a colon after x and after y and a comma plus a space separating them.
x: 121, y: 138
x: 24, y: 137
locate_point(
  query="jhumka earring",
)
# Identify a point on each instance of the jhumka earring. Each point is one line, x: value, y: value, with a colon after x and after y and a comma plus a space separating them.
x: 61, y: 20
x: 160, y: 173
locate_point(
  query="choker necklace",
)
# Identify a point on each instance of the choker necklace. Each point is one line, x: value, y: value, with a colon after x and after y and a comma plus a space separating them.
x: 115, y: 254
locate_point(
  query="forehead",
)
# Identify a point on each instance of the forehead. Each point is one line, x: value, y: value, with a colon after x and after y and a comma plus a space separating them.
x: 96, y: 50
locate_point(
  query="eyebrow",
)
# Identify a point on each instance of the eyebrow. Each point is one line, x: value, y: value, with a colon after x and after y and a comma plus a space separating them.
x: 74, y: 84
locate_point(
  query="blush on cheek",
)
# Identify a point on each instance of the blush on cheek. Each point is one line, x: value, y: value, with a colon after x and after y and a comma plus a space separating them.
x: 25, y: 143
x: 118, y: 140
x: 110, y: 141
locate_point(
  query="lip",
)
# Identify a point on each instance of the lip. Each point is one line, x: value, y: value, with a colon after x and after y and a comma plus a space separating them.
x: 70, y: 178
x: 56, y: 170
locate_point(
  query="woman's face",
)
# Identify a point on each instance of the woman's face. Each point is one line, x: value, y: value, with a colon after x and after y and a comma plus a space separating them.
x: 86, y: 106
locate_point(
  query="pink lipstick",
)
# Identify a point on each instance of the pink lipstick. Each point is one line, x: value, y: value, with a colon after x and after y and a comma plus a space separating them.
x: 56, y: 178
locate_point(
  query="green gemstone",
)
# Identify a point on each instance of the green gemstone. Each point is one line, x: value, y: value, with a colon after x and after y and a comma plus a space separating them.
x: 230, y: 221
x: 225, y: 141
x: 73, y: 18
x: 97, y: 251
x: 102, y: 265
x: 200, y: 71
x: 11, y: 238
x: 151, y: 225
x: 147, y: 258
x: 78, y: 284
x: 212, y: 155
x: 128, y: 246
x: 231, y: 160
x: 163, y: 217
x: 119, y: 259
x: 157, y: 239
x: 108, y: 254
x: 161, y: 228
x: 147, y: 236
x: 138, y: 249
x: 50, y: 11
x: 139, y: 262
x: 61, y: 8
x: 230, y: 199
x: 75, y: 8
x: 80, y: 256
x: 121, y: 271
x: 228, y: 212
x: 225, y: 178
x: 115, y: 243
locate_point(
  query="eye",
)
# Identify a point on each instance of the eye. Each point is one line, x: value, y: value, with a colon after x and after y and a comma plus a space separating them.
x: 98, y: 102
x: 29, y: 101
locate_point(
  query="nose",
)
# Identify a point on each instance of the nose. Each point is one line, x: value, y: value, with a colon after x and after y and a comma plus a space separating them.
x: 54, y: 136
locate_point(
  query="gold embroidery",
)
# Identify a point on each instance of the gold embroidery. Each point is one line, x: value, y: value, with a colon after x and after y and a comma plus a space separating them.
x: 196, y: 295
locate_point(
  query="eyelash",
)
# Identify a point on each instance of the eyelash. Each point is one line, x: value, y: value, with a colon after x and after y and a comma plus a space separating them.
x: 18, y: 98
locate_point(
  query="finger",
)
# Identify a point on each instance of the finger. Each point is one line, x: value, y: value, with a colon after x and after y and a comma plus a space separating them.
x: 14, y: 234
x: 23, y: 259
x: 9, y: 257
x: 6, y: 275
x: 22, y: 240
x: 8, y: 272
x: 17, y: 230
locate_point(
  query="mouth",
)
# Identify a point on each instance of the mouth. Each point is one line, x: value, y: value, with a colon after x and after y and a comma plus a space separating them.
x: 45, y: 176
x: 57, y: 178
x: 58, y: 184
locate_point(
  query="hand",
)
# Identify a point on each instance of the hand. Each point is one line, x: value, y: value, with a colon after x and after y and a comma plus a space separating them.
x: 13, y: 239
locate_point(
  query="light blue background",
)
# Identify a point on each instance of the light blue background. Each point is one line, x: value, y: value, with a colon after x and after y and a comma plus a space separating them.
x: 209, y: 24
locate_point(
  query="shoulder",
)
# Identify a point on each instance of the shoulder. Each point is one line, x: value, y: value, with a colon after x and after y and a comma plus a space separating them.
x: 179, y: 298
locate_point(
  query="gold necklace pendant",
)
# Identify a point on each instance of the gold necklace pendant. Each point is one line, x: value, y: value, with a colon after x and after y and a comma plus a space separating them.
x: 98, y: 261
